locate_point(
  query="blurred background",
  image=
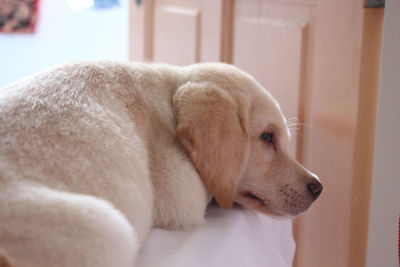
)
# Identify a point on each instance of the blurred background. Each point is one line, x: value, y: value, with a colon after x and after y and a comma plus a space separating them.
x: 333, y: 65
x: 64, y: 30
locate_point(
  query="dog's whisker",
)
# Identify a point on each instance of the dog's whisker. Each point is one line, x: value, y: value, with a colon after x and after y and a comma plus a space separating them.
x: 302, y: 137
x: 299, y: 124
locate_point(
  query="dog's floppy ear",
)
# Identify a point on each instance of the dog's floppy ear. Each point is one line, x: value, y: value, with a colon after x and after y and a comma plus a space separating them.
x: 212, y: 126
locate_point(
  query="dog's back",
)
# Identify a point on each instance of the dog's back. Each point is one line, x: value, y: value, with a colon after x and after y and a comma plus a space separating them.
x: 68, y: 152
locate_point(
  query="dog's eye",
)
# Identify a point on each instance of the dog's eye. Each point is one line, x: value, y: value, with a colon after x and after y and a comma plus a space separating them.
x: 267, y: 136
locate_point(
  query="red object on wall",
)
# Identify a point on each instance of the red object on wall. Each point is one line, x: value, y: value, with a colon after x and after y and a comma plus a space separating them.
x: 18, y: 16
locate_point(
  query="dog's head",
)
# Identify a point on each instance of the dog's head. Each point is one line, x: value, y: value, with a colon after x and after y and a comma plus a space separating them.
x: 237, y: 138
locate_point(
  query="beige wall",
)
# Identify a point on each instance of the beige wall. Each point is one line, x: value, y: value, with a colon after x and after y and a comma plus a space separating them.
x: 385, y: 201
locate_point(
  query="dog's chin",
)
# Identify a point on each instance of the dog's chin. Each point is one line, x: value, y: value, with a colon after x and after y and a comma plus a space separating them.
x: 252, y: 201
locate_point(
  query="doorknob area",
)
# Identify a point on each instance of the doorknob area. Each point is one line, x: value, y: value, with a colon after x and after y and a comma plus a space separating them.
x: 375, y: 3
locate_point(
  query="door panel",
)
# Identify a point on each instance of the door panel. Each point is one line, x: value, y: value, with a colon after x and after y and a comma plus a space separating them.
x: 170, y: 25
x: 177, y: 32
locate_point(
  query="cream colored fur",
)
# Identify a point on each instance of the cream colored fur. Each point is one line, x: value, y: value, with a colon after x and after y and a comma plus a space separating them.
x: 92, y: 155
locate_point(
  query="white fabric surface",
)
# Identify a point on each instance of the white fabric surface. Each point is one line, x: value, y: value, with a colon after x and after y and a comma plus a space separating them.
x: 235, y: 237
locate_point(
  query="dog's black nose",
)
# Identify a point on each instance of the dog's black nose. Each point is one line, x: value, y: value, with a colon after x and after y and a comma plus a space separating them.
x: 315, y: 188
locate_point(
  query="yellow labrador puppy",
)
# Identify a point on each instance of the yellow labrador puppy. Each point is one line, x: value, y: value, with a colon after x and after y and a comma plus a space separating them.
x: 92, y: 155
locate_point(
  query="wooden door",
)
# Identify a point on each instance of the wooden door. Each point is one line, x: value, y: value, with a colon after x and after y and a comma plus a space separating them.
x: 320, y: 59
